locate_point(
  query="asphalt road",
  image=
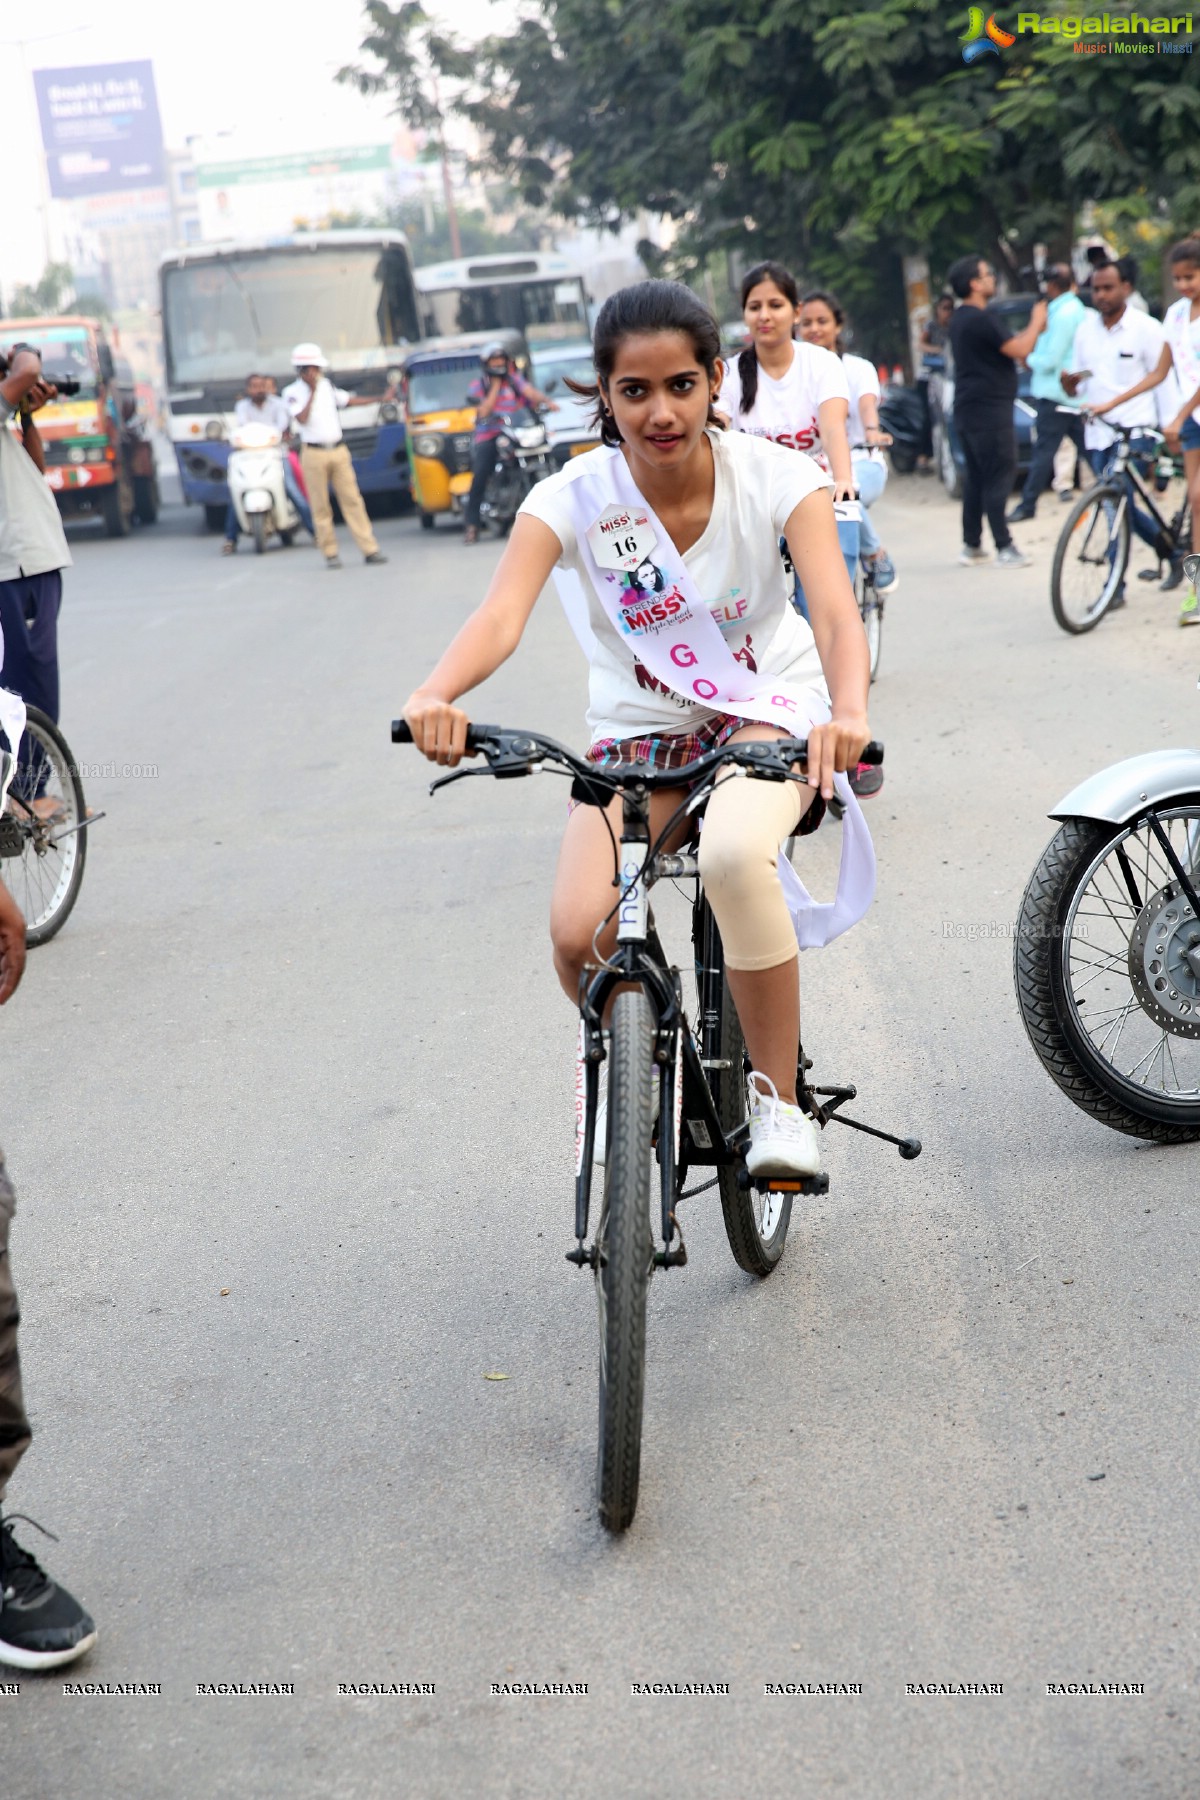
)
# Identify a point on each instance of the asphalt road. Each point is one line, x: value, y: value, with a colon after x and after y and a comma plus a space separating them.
x: 300, y: 1041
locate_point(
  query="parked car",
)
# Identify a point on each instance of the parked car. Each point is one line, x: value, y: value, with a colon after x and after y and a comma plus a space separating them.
x: 1014, y: 310
x: 572, y: 429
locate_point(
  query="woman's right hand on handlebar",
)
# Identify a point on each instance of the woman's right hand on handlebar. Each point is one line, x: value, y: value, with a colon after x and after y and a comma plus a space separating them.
x: 439, y: 729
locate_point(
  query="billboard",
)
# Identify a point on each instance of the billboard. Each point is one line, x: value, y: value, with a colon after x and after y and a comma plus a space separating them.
x: 100, y: 129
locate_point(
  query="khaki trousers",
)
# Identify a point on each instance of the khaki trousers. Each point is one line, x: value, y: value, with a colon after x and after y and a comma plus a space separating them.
x: 325, y: 469
x: 14, y: 1426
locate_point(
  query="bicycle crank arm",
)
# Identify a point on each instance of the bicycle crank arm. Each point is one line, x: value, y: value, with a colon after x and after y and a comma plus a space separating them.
x: 909, y: 1147
x: 72, y: 829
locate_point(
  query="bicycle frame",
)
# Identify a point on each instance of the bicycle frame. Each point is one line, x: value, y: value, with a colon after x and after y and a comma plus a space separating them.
x: 1122, y: 473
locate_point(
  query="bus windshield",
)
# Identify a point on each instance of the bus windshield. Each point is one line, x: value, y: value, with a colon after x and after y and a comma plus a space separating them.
x: 545, y: 311
x: 441, y: 387
x: 66, y: 350
x: 236, y: 314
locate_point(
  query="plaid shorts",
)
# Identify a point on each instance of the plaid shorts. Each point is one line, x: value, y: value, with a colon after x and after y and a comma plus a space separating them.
x: 667, y: 750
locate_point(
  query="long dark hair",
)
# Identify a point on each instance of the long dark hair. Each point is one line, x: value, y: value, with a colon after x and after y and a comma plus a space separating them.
x: 747, y: 362
x: 641, y: 310
x: 839, y: 316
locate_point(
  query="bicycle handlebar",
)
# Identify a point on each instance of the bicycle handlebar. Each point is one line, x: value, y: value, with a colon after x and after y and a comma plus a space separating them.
x: 516, y: 751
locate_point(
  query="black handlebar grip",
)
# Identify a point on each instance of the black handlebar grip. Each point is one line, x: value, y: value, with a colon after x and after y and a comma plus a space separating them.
x: 402, y: 733
x: 873, y: 754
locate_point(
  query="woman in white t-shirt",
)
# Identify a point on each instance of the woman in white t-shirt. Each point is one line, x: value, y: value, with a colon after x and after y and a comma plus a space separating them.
x: 722, y: 500
x: 793, y: 393
x: 821, y: 322
x: 1181, y: 353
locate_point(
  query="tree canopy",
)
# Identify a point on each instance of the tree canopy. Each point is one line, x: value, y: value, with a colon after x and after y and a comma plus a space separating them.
x: 836, y: 140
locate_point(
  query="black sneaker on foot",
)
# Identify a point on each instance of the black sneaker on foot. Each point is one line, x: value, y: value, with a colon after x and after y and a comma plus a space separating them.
x: 1020, y: 514
x: 41, y: 1625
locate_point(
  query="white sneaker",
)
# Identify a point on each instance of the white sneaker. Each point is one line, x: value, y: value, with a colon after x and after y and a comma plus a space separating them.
x: 600, y: 1147
x: 783, y: 1140
x: 971, y: 556
x: 1011, y: 558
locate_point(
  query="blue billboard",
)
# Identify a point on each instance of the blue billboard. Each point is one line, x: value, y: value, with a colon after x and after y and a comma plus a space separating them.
x: 100, y: 129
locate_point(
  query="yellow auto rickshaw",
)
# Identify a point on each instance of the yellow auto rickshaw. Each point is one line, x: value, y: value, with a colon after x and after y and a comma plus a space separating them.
x: 440, y: 420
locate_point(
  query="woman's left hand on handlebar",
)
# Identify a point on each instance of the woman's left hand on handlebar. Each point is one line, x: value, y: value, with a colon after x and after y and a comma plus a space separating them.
x: 844, y: 490
x: 835, y: 747
x: 439, y: 729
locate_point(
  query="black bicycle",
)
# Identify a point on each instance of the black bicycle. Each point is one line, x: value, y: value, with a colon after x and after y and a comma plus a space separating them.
x: 43, y: 828
x: 699, y: 1115
x: 1092, y: 555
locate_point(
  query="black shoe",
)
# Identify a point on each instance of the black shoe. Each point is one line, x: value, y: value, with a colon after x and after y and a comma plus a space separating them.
x: 1173, y: 576
x: 41, y: 1625
x: 376, y: 556
x: 1019, y: 514
x: 1117, y: 601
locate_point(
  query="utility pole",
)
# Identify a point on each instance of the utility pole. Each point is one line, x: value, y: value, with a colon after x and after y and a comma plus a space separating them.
x: 447, y: 184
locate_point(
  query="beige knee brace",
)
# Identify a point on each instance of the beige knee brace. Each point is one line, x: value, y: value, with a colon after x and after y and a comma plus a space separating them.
x: 746, y: 822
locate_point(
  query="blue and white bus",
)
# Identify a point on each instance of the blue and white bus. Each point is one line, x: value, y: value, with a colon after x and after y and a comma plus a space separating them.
x: 540, y: 294
x: 230, y: 310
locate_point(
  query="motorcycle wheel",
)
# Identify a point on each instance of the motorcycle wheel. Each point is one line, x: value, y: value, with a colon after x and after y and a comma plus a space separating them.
x: 1104, y: 983
x: 258, y: 531
x: 903, y: 458
x: 947, y: 468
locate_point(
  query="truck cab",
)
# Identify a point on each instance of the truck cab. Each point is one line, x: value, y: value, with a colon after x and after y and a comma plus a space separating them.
x: 99, y: 458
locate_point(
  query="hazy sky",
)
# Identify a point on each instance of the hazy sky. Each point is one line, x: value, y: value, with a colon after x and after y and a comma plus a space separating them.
x: 217, y: 64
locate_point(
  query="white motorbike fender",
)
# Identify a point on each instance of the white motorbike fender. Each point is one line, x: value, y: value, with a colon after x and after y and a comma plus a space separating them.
x: 1117, y: 794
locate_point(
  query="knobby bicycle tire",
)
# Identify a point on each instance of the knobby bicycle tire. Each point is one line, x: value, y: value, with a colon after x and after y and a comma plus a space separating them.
x: 1067, y: 1055
x: 1094, y: 498
x: 625, y: 1248
x: 754, y: 1250
x: 46, y: 886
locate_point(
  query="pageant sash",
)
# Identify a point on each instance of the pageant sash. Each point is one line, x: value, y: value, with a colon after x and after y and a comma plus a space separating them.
x: 652, y: 602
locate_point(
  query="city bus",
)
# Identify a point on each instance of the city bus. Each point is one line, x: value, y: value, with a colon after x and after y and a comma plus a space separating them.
x: 540, y: 295
x: 230, y: 310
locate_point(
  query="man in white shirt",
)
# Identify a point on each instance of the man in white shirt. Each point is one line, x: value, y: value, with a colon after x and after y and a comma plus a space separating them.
x: 314, y: 403
x: 33, y: 545
x: 259, y: 406
x: 1115, y: 346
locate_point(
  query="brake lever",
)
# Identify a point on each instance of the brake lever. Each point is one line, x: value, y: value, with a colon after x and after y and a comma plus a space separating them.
x: 466, y: 774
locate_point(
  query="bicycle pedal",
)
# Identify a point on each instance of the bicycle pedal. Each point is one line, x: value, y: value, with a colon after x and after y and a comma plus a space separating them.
x: 780, y: 1184
x: 670, y: 1259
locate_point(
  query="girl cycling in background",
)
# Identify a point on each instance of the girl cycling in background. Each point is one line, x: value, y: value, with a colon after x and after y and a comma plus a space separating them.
x: 707, y: 509
x: 794, y: 393
x: 821, y: 322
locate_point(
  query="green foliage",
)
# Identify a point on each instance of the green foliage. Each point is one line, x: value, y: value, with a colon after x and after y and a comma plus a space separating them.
x: 53, y: 293
x: 838, y: 140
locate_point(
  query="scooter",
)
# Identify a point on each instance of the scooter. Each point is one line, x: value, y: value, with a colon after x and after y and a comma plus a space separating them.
x: 257, y: 487
x: 1106, y: 957
x: 904, y: 413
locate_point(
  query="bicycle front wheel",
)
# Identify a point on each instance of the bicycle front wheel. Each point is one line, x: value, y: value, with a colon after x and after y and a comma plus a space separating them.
x: 1091, y: 558
x: 755, y: 1224
x: 42, y: 851
x: 871, y: 607
x: 625, y: 1250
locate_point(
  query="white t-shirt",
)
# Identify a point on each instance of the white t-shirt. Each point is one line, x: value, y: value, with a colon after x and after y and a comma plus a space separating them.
x: 786, y: 410
x: 861, y: 379
x: 1118, y: 356
x: 322, y: 425
x: 32, y: 539
x: 735, y: 564
x: 1182, y: 332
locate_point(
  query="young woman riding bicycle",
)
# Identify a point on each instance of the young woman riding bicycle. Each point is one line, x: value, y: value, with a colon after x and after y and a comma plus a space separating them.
x: 721, y: 501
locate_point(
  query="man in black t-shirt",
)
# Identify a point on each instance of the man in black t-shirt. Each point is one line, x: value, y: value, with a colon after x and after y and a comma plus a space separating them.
x: 985, y: 386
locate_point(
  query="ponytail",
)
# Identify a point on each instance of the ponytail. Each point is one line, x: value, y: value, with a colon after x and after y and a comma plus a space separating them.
x: 747, y: 363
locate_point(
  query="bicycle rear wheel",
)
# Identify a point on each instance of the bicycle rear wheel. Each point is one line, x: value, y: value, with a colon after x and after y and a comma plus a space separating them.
x: 625, y: 1250
x: 1090, y: 559
x: 41, y: 856
x: 755, y: 1224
